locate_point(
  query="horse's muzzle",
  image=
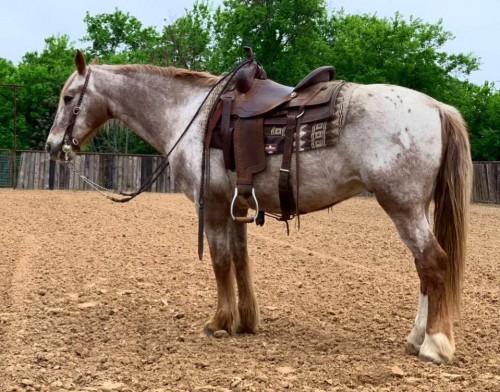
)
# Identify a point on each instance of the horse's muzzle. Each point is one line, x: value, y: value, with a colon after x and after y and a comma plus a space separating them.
x: 55, y: 153
x: 59, y: 153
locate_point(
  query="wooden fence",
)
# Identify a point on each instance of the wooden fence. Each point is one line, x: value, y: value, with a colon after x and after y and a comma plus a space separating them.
x: 486, y: 187
x: 123, y: 173
x: 126, y: 173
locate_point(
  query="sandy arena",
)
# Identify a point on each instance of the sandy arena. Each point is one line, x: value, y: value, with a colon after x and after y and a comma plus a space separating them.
x: 97, y: 296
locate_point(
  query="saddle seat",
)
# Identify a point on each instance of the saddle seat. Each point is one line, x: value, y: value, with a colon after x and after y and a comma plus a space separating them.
x: 264, y: 95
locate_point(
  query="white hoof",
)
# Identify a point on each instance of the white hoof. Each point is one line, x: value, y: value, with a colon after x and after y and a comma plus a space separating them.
x: 415, y: 340
x: 437, y: 348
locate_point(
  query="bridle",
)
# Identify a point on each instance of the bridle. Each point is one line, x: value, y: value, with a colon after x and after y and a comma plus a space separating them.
x: 70, y: 142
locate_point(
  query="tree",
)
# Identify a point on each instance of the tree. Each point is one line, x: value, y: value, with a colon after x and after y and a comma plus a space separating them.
x: 119, y: 37
x: 286, y: 36
x: 43, y: 76
x: 187, y: 42
x: 368, y: 49
x: 484, y: 123
x: 289, y: 37
x: 8, y: 75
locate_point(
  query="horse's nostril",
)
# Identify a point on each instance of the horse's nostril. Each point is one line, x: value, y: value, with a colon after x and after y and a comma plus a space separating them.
x: 48, y: 148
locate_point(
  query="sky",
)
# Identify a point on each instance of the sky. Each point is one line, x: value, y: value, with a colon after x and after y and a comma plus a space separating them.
x: 24, y: 24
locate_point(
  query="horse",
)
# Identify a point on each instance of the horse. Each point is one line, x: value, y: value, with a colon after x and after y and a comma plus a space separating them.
x: 403, y: 146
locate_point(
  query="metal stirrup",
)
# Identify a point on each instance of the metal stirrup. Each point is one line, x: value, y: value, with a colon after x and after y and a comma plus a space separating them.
x: 244, y: 219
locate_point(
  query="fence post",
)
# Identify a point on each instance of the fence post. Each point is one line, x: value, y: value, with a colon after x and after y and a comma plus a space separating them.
x: 52, y: 174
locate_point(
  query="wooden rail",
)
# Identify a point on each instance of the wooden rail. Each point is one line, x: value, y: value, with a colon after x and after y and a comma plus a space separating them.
x: 125, y: 173
x: 486, y: 187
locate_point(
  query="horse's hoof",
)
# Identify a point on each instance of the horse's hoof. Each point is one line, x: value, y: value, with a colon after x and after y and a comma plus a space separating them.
x: 437, y: 360
x: 247, y: 330
x: 437, y: 349
x: 221, y: 334
x: 208, y: 331
x: 412, y: 349
x: 211, y: 328
x: 415, y: 340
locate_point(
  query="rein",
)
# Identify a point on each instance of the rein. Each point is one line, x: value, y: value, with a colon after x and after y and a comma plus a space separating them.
x: 70, y: 142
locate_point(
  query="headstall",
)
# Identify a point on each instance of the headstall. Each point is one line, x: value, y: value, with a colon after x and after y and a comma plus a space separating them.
x: 70, y: 142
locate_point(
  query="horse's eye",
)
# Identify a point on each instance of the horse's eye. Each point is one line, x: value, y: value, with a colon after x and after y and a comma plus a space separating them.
x: 67, y: 99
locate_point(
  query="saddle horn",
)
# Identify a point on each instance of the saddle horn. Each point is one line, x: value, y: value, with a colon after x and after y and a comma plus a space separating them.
x: 249, y: 52
x: 243, y: 79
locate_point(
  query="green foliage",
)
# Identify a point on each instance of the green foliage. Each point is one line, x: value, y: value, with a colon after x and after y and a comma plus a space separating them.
x: 368, y: 49
x: 8, y: 75
x: 484, y: 123
x: 187, y: 42
x: 43, y: 76
x: 480, y: 107
x: 118, y: 37
x: 284, y: 35
x: 486, y: 145
x: 289, y: 37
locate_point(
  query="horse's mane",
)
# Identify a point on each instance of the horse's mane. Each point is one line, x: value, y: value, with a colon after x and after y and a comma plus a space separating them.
x: 200, y: 78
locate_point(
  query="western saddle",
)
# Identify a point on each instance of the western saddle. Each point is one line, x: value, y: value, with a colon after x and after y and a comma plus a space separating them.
x: 254, y: 102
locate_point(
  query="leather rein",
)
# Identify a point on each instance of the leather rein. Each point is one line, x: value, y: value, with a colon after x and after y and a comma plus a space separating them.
x: 71, y: 143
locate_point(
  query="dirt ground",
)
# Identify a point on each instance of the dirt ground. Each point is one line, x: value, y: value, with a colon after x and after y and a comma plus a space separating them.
x: 96, y: 296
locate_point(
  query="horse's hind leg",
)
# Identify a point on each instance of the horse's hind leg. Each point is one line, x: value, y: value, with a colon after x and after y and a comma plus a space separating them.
x: 438, y: 345
x: 432, y: 334
x: 247, y: 304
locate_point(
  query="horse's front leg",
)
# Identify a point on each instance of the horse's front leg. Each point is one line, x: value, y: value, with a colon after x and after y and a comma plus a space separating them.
x: 216, y: 229
x: 247, y: 304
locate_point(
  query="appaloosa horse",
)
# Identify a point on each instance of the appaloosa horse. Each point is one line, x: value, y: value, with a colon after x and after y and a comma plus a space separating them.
x: 405, y: 147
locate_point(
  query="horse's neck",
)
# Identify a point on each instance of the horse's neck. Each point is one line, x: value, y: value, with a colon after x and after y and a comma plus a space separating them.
x: 158, y: 109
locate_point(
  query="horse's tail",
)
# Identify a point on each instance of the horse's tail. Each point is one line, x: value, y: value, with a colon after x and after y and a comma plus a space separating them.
x: 452, y: 197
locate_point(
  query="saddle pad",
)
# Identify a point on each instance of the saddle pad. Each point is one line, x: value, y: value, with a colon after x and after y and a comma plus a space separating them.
x: 313, y: 135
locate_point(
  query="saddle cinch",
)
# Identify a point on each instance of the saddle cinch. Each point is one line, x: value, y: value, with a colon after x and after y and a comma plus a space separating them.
x: 254, y: 103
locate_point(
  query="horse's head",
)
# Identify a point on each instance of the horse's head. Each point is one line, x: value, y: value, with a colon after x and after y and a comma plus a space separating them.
x: 81, y: 111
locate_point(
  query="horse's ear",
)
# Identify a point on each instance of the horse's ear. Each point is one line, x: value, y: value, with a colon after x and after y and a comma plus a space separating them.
x: 95, y: 61
x: 80, y: 62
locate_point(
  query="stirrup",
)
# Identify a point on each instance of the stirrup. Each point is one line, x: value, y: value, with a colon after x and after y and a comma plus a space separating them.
x: 244, y: 219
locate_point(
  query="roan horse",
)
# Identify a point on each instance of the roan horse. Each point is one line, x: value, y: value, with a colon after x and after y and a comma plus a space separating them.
x: 405, y: 147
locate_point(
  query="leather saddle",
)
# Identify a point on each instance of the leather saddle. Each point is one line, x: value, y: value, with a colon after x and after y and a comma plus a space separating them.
x: 252, y: 102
